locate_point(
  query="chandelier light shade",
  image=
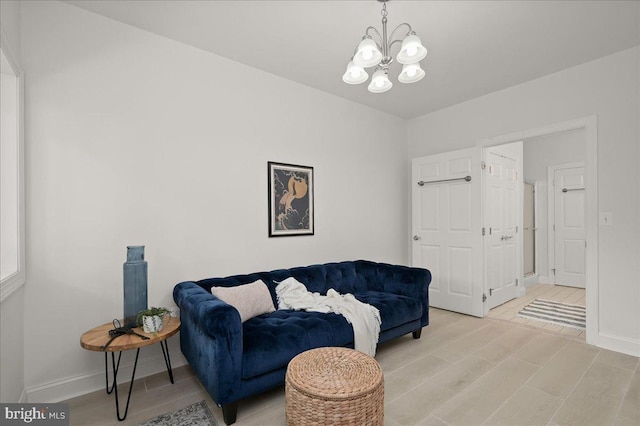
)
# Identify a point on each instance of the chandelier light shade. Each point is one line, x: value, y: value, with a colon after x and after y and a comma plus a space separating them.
x: 367, y: 54
x: 412, y: 50
x: 380, y: 82
x: 355, y: 74
x: 374, y: 51
x: 411, y: 73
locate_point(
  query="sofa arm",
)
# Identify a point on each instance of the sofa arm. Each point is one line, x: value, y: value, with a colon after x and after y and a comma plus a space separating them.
x: 408, y: 281
x: 412, y: 282
x: 211, y: 340
x: 403, y: 280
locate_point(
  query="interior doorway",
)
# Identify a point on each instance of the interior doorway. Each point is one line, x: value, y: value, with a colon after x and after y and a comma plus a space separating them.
x: 587, y: 129
x: 555, y: 163
x: 435, y: 253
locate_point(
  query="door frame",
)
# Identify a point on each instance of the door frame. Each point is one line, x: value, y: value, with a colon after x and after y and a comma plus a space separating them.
x: 590, y: 125
x: 551, y: 215
x: 18, y: 278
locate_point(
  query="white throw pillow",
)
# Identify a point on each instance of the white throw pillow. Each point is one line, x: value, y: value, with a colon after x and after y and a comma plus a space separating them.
x: 250, y: 300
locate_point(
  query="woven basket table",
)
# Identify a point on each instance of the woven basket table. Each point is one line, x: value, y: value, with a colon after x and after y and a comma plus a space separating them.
x: 334, y: 386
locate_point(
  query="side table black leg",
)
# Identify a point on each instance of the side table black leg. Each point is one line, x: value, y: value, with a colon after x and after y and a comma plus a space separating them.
x: 115, y: 385
x: 106, y: 371
x: 167, y: 360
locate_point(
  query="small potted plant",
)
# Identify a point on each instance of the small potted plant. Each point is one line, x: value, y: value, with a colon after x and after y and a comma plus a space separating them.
x: 152, y: 319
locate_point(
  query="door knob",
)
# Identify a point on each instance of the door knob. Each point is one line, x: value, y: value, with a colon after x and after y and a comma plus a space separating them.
x: 416, y: 238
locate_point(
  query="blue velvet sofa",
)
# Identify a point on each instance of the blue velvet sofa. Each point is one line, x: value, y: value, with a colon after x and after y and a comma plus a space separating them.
x: 235, y: 360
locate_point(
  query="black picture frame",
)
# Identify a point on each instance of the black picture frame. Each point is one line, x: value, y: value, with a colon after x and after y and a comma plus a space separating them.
x: 291, y: 210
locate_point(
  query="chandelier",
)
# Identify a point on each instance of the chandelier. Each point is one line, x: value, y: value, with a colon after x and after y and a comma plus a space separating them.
x: 374, y: 50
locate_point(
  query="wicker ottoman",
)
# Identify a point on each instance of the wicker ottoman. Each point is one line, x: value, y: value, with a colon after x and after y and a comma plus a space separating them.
x: 334, y: 386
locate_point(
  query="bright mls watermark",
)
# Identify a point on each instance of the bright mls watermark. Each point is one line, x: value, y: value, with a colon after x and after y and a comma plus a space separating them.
x: 34, y: 414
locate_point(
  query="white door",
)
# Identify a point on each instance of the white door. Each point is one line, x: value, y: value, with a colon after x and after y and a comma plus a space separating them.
x: 447, y: 228
x: 502, y: 179
x: 569, y: 223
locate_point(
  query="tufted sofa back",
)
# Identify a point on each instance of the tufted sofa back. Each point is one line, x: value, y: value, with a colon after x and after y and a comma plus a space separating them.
x: 345, y: 277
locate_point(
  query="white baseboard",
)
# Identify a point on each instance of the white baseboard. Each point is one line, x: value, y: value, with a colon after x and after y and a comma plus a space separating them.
x: 544, y: 279
x: 618, y: 344
x: 71, y: 387
x: 531, y: 280
x: 537, y: 279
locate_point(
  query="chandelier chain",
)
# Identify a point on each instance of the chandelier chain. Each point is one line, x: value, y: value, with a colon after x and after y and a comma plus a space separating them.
x: 383, y: 12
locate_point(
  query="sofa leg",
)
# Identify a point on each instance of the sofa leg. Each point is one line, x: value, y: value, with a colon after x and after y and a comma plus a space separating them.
x: 417, y: 333
x: 229, y: 413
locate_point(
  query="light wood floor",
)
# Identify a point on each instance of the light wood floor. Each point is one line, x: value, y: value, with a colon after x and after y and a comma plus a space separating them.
x: 463, y: 371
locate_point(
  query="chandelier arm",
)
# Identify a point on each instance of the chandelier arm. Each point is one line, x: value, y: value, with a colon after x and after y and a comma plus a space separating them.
x: 397, y: 28
x: 378, y: 42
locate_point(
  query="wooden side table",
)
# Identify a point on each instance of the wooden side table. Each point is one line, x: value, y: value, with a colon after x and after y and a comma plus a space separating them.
x: 97, y: 337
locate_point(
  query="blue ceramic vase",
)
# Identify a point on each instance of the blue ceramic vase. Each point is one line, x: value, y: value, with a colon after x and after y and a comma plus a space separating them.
x: 135, y: 284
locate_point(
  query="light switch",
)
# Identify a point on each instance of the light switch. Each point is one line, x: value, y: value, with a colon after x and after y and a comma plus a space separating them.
x: 606, y: 218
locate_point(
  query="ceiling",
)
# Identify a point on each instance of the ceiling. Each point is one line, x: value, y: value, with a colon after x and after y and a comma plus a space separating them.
x: 475, y: 47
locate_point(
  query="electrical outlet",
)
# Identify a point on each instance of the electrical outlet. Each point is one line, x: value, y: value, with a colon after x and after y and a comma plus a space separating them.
x: 606, y: 218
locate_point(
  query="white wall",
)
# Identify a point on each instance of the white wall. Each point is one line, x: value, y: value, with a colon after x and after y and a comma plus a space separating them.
x: 551, y: 150
x: 10, y: 24
x: 609, y: 88
x: 11, y: 309
x: 137, y: 139
x: 539, y: 154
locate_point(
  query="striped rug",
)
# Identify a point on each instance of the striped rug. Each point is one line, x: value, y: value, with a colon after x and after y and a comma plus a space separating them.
x: 564, y: 314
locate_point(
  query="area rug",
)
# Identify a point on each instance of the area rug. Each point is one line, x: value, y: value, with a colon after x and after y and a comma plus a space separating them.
x: 564, y: 314
x: 197, y: 414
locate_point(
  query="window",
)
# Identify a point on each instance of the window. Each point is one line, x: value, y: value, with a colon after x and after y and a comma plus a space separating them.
x: 12, y: 260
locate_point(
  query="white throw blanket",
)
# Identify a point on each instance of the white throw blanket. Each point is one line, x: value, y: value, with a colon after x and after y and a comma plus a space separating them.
x: 364, y: 318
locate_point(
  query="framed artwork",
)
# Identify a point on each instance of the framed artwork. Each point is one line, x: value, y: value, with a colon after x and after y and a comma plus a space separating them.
x: 290, y: 200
